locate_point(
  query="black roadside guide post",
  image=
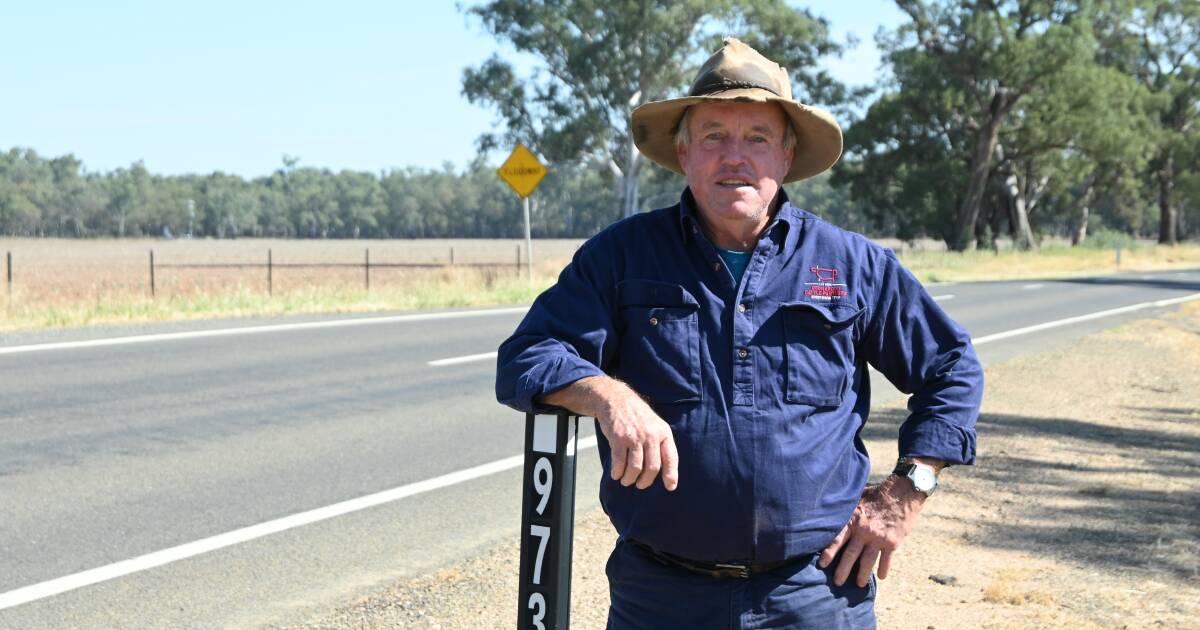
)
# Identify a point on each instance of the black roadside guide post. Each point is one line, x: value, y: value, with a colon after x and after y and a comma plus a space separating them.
x: 547, y: 522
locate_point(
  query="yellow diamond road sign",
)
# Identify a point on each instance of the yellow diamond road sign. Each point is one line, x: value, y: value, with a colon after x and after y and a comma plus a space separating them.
x: 522, y: 171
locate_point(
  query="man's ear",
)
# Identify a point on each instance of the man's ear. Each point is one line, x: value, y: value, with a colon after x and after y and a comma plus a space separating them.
x: 681, y: 155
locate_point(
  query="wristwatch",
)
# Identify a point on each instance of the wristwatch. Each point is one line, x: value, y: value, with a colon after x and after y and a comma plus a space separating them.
x: 922, y: 476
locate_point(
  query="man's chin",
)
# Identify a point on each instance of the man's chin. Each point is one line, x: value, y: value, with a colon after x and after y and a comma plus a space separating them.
x: 742, y: 210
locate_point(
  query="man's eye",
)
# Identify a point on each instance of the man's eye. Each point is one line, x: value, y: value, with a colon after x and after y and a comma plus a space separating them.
x: 713, y: 136
x: 758, y: 139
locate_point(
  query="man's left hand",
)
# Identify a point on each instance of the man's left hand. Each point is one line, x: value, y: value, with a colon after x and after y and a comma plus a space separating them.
x: 884, y: 516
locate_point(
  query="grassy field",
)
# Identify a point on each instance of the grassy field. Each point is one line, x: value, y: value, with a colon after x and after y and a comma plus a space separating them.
x: 61, y: 283
x: 58, y: 283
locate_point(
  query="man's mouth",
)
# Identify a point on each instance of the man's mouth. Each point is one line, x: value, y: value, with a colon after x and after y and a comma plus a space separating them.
x: 733, y: 182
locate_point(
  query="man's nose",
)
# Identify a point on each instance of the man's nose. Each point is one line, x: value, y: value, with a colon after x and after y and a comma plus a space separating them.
x: 734, y: 154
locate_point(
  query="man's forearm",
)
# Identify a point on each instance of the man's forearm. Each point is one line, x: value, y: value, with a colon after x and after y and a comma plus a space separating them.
x: 591, y: 396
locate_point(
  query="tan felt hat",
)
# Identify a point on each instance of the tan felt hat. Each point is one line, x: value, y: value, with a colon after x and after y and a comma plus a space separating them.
x: 738, y: 72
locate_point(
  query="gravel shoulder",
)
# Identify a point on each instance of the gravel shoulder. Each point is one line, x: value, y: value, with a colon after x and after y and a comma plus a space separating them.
x: 1083, y: 510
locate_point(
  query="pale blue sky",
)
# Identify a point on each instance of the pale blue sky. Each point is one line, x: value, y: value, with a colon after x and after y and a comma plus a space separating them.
x: 233, y: 86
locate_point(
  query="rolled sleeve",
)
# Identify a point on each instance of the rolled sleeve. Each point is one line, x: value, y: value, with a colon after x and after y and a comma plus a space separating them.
x: 923, y: 352
x: 564, y: 336
x: 548, y: 371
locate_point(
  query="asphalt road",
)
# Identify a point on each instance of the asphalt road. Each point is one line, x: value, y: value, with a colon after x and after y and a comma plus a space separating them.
x: 108, y: 453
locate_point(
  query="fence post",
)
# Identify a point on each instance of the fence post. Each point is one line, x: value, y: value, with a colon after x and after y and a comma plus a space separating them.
x: 451, y: 256
x: 270, y: 280
x: 367, y: 266
x: 152, y: 291
x: 547, y: 521
x: 9, y: 274
x: 518, y: 260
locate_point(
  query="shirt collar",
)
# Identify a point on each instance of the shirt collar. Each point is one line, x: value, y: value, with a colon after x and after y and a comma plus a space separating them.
x: 689, y: 222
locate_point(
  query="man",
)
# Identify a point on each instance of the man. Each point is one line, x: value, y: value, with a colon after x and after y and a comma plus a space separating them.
x: 722, y: 345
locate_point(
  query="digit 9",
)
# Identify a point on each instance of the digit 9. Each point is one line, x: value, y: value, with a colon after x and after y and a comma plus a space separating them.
x: 543, y: 481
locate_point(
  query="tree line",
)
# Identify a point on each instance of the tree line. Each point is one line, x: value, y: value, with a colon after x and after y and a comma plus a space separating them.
x: 994, y: 119
x: 57, y: 197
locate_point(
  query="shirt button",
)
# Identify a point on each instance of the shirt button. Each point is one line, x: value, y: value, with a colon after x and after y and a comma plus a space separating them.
x: 743, y: 353
x: 653, y: 321
x: 716, y: 266
x: 742, y: 308
x: 828, y: 326
x: 695, y: 230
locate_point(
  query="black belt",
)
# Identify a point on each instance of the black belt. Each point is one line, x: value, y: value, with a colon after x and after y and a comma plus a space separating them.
x: 717, y: 569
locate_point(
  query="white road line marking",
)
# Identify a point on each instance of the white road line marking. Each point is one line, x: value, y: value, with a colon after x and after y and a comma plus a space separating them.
x: 225, y: 332
x: 464, y: 359
x: 1083, y: 318
x: 71, y: 582
x: 1032, y: 286
x: 939, y: 298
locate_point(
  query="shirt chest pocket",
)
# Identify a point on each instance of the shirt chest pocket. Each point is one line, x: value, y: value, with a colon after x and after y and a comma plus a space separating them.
x: 820, y: 351
x: 660, y: 341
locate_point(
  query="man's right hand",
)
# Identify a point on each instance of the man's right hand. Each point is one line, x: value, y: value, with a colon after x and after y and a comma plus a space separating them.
x: 641, y: 441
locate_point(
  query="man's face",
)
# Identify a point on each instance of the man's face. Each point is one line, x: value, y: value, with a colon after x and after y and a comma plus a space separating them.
x: 735, y: 160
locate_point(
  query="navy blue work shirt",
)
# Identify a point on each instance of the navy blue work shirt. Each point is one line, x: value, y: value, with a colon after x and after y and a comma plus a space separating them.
x: 764, y: 382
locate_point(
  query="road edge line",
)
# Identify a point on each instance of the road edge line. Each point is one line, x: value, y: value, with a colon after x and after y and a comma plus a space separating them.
x: 249, y: 330
x: 1083, y: 318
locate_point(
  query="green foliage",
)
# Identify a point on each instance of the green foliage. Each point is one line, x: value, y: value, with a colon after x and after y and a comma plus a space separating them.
x: 1066, y: 127
x: 1105, y: 238
x: 40, y: 197
x: 600, y: 59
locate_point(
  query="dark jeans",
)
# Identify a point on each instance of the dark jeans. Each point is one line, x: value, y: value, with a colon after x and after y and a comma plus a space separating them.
x: 648, y: 594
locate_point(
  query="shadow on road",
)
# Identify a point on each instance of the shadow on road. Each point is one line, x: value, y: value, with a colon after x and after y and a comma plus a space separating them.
x: 1119, y: 498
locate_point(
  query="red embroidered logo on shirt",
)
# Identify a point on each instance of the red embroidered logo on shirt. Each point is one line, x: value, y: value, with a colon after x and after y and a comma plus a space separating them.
x: 826, y: 288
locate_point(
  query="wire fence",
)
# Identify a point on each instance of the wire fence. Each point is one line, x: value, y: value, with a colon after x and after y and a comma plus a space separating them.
x: 269, y: 265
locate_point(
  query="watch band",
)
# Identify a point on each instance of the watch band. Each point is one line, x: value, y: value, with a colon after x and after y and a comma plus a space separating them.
x: 922, y: 476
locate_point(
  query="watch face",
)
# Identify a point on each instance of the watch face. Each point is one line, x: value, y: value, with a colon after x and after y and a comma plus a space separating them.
x: 923, y: 479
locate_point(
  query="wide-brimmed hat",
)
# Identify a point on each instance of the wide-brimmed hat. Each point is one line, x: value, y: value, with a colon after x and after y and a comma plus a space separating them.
x: 737, y: 72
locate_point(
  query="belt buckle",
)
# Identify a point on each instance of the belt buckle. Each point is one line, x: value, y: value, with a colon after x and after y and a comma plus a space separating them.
x: 740, y: 570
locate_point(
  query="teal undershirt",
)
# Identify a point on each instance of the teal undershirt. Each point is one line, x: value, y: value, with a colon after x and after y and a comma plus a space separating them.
x: 736, y: 262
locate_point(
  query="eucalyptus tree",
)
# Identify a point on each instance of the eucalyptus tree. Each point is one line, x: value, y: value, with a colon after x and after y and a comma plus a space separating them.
x: 600, y: 59
x: 229, y: 206
x: 986, y: 96
x: 1159, y: 43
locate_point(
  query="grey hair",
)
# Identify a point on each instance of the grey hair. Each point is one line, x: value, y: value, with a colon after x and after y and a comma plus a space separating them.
x: 683, y: 137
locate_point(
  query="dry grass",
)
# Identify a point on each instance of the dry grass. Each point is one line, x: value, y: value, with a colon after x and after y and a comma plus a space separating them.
x: 59, y: 283
x: 1008, y: 587
x: 1055, y: 261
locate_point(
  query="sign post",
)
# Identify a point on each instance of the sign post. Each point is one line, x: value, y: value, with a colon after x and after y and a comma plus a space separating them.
x: 547, y: 522
x: 523, y: 172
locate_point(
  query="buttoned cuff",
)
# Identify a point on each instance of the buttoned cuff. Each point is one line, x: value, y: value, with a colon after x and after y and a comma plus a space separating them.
x: 938, y: 439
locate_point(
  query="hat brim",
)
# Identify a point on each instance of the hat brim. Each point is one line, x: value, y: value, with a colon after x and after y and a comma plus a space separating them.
x: 818, y: 136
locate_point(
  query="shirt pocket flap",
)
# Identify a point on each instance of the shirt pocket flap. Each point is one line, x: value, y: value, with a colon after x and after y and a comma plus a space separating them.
x: 654, y: 293
x: 834, y: 315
